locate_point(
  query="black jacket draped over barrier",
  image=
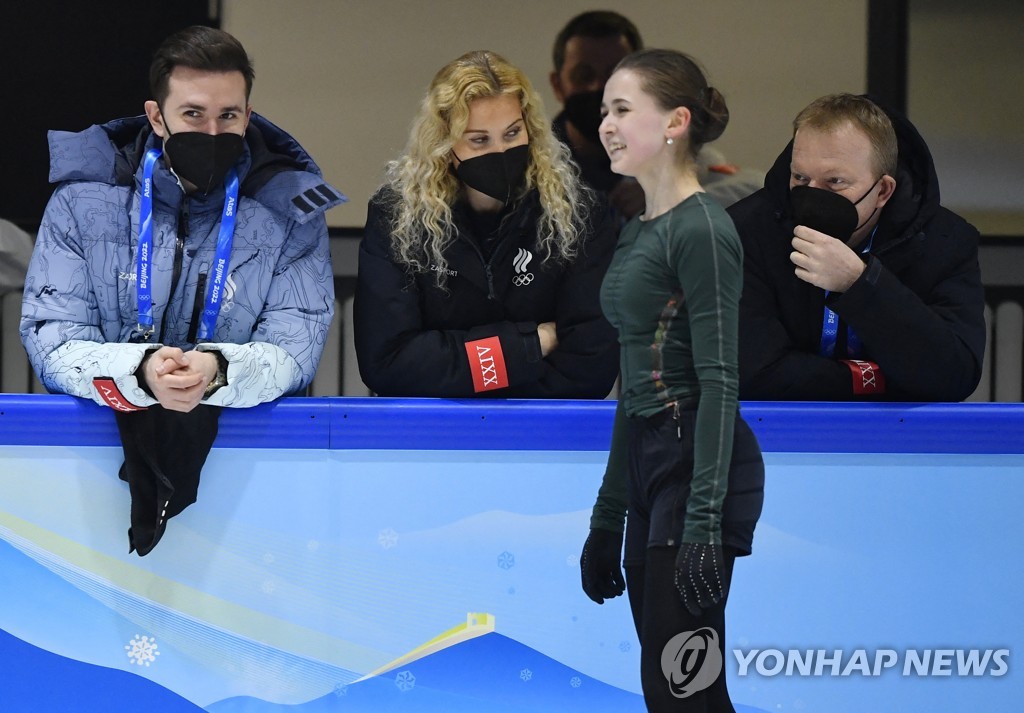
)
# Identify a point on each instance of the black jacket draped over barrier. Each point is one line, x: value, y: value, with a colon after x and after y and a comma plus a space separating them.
x: 164, y: 452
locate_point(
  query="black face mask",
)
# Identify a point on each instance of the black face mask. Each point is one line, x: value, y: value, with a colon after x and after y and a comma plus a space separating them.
x: 203, y: 159
x: 499, y: 175
x: 827, y: 211
x: 583, y: 110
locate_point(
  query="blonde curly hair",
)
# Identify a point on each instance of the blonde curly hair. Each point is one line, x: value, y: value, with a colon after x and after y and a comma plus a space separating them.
x: 425, y: 189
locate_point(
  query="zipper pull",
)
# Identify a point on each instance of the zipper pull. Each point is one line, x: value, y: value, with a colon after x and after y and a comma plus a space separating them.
x: 490, y: 282
x: 675, y: 417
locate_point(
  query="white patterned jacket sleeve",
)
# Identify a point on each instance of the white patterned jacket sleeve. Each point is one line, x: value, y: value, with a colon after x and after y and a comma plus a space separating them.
x: 72, y: 366
x: 61, y: 327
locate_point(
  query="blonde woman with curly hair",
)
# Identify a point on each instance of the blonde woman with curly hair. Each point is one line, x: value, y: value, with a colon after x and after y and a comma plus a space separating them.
x: 483, y: 255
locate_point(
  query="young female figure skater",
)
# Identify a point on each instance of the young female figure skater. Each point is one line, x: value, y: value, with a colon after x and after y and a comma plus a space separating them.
x: 683, y: 460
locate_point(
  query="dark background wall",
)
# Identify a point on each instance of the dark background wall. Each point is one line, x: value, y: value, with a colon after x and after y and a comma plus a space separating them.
x: 67, y: 65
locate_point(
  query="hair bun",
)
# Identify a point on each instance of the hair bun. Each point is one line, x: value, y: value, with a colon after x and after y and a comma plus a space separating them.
x: 717, y: 113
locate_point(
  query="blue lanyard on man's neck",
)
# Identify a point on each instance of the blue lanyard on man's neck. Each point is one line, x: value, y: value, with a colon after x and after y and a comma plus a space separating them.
x: 219, y: 271
x: 830, y: 324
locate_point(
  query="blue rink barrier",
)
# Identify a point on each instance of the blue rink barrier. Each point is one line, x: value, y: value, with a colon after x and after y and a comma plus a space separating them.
x: 423, y: 555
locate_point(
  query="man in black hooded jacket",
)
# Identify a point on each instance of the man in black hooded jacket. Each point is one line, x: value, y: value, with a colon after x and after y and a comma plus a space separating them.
x: 858, y: 285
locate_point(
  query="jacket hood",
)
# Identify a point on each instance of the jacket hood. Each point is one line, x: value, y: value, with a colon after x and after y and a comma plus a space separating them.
x: 106, y: 153
x: 273, y: 168
x: 916, y: 199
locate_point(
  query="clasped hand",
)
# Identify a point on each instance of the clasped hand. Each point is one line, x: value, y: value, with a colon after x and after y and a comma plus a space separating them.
x: 178, y: 379
x: 824, y: 261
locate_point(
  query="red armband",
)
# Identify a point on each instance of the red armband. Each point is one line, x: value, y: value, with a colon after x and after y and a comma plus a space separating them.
x: 867, y: 377
x: 487, y: 364
x: 109, y: 392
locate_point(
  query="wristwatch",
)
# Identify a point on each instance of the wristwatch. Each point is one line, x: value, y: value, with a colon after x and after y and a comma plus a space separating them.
x: 220, y: 378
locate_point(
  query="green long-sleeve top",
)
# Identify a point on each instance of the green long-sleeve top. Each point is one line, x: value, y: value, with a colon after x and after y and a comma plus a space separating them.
x: 673, y: 292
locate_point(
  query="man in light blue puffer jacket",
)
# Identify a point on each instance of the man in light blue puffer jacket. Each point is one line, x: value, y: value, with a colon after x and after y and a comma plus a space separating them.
x: 234, y: 318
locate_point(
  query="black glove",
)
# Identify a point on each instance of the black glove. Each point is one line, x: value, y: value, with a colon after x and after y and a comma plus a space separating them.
x: 700, y: 571
x: 600, y: 566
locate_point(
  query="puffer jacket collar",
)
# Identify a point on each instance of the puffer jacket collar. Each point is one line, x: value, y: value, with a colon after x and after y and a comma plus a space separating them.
x: 274, y: 169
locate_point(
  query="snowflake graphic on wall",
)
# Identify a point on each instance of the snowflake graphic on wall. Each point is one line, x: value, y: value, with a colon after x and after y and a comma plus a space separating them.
x: 405, y: 681
x: 142, y: 650
x: 341, y: 690
x: 526, y: 674
x: 625, y: 646
x: 387, y: 538
x: 575, y: 682
x: 506, y: 560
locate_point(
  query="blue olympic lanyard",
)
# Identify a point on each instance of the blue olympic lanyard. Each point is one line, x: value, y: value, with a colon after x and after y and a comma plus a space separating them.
x: 222, y: 256
x: 143, y: 289
x: 830, y: 326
